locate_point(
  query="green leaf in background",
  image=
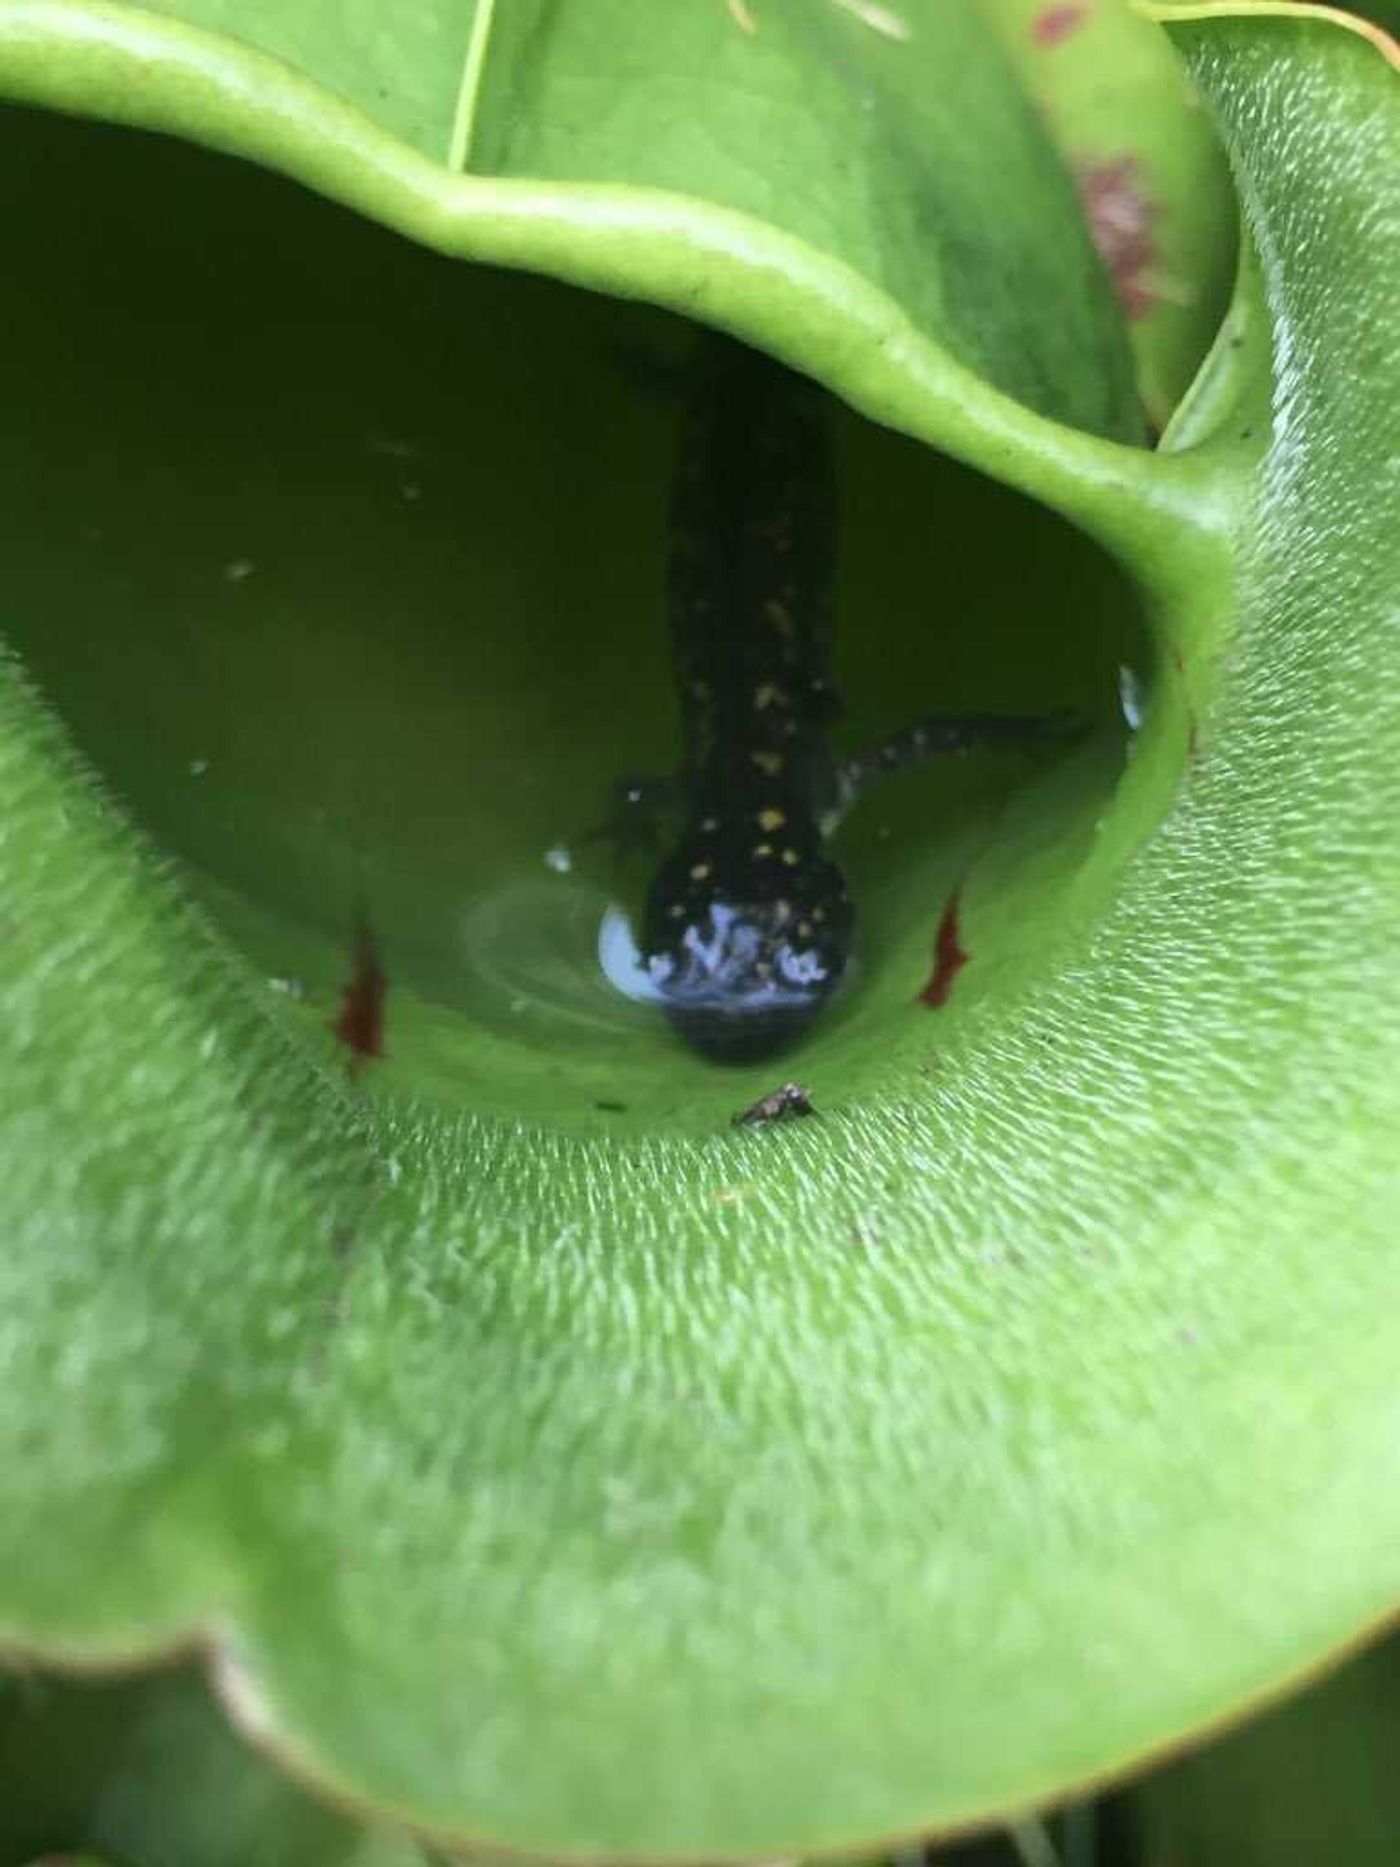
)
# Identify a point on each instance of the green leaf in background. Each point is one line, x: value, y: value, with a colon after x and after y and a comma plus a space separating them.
x: 1149, y: 169
x: 146, y: 1772
x: 1384, y: 13
x: 1311, y: 1781
x: 634, y: 1487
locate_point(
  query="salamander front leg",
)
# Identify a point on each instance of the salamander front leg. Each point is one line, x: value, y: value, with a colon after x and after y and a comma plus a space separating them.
x: 940, y: 733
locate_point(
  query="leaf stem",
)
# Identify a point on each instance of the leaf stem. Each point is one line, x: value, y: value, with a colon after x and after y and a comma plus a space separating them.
x: 1031, y: 1840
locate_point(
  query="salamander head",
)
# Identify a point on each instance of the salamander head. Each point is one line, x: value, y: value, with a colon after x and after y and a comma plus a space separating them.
x: 746, y: 939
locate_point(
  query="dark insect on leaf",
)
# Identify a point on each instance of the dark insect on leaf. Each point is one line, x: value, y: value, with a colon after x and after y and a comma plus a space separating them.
x: 790, y: 1099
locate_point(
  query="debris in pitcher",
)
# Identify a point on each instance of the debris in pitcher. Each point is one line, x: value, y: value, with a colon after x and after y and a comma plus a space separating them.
x: 789, y: 1099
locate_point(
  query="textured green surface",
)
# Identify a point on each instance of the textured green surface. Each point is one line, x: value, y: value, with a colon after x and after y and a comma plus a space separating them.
x: 676, y: 1495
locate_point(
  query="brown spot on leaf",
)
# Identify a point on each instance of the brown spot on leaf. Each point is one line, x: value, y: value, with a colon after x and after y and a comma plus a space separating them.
x: 949, y: 957
x: 360, y: 1025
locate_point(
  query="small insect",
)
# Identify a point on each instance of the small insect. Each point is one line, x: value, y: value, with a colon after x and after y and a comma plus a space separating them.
x: 749, y: 924
x: 790, y: 1099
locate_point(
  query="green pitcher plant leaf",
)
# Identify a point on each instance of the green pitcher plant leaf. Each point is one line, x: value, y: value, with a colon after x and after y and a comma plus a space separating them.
x: 387, y: 1302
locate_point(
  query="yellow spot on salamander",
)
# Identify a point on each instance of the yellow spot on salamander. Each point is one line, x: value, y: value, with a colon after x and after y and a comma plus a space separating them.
x: 763, y: 849
x: 766, y: 694
x: 791, y: 858
x: 804, y: 929
x: 771, y: 819
x: 775, y: 614
x: 700, y: 871
x: 770, y: 763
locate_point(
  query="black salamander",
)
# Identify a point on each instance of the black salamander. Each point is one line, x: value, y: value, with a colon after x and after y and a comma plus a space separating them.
x: 748, y: 924
x: 748, y: 921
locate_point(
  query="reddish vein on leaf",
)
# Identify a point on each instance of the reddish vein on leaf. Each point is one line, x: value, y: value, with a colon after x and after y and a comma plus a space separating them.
x: 949, y: 956
x: 360, y: 1025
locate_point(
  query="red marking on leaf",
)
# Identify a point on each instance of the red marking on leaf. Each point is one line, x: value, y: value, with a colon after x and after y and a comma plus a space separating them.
x: 360, y: 1025
x: 1054, y: 24
x: 1120, y: 220
x: 949, y: 958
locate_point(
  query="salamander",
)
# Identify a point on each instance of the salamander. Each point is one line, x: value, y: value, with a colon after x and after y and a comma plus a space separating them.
x: 748, y: 921
x: 748, y: 924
